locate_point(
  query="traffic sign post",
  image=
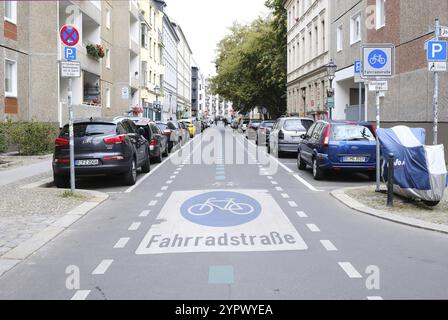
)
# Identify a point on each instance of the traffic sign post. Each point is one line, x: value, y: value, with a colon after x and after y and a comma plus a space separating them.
x: 69, y: 69
x: 358, y: 79
x: 378, y: 63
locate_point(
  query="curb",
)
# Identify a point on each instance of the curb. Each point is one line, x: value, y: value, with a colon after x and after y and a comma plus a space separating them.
x: 13, y: 257
x: 412, y: 222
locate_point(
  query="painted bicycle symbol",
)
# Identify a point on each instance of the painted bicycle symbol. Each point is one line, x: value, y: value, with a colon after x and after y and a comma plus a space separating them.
x: 227, y: 205
x: 377, y: 59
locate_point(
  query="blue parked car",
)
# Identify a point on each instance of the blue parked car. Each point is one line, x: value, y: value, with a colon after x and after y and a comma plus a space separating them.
x: 338, y: 146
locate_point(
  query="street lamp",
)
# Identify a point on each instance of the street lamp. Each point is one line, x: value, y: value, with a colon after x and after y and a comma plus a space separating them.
x: 331, y: 72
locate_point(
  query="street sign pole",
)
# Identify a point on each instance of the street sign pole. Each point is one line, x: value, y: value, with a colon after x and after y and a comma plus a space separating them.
x: 378, y: 150
x: 360, y: 101
x: 71, y: 135
x: 436, y: 92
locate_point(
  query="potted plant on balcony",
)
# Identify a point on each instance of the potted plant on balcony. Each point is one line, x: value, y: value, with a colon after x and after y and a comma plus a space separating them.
x: 95, y: 51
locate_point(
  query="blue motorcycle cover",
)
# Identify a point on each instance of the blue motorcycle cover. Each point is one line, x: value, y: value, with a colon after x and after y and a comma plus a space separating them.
x: 420, y: 171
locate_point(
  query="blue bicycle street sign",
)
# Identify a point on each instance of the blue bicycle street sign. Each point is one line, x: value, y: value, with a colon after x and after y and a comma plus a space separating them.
x: 437, y: 51
x: 69, y: 53
x: 378, y: 60
x: 221, y: 209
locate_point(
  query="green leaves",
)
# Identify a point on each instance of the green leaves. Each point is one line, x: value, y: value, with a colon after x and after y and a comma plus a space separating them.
x: 251, y: 64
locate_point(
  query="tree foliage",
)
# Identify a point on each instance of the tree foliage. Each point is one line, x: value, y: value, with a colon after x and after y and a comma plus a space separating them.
x: 251, y: 64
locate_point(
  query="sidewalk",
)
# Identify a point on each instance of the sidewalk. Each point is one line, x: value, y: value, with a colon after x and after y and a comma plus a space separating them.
x: 15, y: 174
x: 404, y: 211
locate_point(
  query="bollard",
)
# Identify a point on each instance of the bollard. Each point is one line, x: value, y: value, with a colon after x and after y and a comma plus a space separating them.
x: 390, y: 180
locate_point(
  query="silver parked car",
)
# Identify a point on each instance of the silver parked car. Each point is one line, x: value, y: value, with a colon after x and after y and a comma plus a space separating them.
x: 285, y: 135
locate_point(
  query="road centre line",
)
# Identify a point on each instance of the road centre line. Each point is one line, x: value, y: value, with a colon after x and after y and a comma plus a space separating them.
x: 328, y: 245
x: 169, y: 182
x: 135, y: 226
x: 164, y: 188
x: 280, y: 189
x: 145, y: 213
x: 121, y: 243
x: 102, y: 267
x: 285, y: 196
x: 350, y: 270
x: 80, y: 295
x: 313, y: 227
x: 140, y: 181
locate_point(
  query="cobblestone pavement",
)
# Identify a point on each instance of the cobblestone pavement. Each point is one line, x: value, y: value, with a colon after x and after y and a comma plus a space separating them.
x: 404, y: 207
x: 26, y: 212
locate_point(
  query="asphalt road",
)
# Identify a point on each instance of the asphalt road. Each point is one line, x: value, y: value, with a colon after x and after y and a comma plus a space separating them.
x: 218, y: 224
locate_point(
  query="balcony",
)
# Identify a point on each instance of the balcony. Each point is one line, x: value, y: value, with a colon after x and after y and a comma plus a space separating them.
x: 133, y: 9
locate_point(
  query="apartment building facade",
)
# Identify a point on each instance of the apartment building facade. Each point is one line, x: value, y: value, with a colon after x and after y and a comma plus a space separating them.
x: 169, y: 57
x: 308, y: 31
x: 184, y: 54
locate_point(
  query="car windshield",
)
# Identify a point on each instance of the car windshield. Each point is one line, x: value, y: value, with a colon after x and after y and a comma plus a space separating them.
x: 294, y: 125
x: 256, y: 124
x: 267, y: 125
x: 90, y: 129
x: 352, y: 133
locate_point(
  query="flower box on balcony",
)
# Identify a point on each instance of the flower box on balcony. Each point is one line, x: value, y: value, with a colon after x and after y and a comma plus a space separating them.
x: 95, y: 51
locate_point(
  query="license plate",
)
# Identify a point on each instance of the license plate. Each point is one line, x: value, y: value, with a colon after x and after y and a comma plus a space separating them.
x: 354, y: 159
x: 295, y: 139
x: 86, y: 163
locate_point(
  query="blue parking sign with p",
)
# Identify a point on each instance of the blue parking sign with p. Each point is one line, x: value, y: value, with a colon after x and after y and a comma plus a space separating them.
x: 358, y: 67
x: 69, y: 53
x: 437, y: 51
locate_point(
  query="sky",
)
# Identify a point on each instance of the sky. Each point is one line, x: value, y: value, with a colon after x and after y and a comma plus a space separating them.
x: 206, y: 22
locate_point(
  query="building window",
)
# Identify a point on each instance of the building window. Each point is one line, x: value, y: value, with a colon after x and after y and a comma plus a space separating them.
x: 108, y: 58
x: 145, y: 73
x: 108, y: 98
x: 339, y: 38
x: 11, y: 11
x: 380, y: 13
x: 10, y: 78
x: 324, y: 45
x: 316, y: 40
x: 355, y: 28
x: 108, y: 19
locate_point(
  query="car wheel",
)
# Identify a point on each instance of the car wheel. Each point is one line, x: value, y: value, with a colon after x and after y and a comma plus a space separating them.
x: 317, y: 171
x: 300, y: 163
x: 159, y: 158
x: 61, y: 182
x: 146, y: 167
x: 130, y: 178
x: 431, y: 203
x: 166, y: 153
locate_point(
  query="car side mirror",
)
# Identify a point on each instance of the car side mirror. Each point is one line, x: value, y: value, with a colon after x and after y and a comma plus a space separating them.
x: 303, y: 136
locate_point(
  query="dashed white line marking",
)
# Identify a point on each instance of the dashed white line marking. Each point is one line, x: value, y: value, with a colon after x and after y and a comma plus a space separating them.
x: 80, y: 295
x: 102, y: 267
x: 285, y: 196
x: 152, y: 203
x: 159, y: 195
x: 274, y: 183
x: 350, y: 270
x: 145, y: 213
x: 173, y: 177
x: 302, y: 214
x: 164, y: 188
x: 313, y: 227
x: 134, y: 226
x: 328, y: 245
x: 293, y: 204
x: 121, y: 243
x: 169, y: 182
x: 279, y: 189
x: 306, y: 183
x: 270, y: 178
x: 375, y: 298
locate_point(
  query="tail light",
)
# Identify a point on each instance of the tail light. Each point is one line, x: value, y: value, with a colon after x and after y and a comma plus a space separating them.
x: 153, y: 142
x: 59, y: 142
x: 167, y: 133
x: 115, y: 140
x: 281, y: 135
x: 117, y: 158
x: 327, y: 136
x: 61, y: 161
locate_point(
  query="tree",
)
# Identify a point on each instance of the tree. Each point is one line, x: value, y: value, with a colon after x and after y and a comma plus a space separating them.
x: 251, y: 65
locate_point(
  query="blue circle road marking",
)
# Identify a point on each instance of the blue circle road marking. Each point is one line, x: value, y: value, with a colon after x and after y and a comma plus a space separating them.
x: 377, y: 59
x: 221, y: 209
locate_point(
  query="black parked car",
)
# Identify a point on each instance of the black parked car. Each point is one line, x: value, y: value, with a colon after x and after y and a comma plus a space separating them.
x: 102, y: 147
x: 158, y: 141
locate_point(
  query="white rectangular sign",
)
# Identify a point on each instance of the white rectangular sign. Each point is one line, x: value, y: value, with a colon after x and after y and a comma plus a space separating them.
x: 443, y: 32
x: 70, y: 69
x: 175, y: 232
x: 378, y: 60
x: 437, y: 66
x: 378, y: 86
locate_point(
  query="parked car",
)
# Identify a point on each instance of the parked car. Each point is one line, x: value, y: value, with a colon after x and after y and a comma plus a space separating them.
x: 171, y: 132
x: 262, y: 138
x: 338, y: 146
x: 191, y: 127
x: 102, y: 147
x: 285, y: 134
x: 252, y: 128
x: 158, y: 142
